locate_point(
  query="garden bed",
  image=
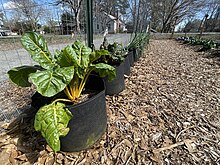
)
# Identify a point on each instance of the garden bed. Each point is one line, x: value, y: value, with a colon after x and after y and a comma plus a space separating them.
x: 168, y: 113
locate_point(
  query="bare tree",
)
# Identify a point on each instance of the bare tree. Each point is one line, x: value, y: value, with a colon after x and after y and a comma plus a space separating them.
x: 133, y: 6
x: 28, y: 10
x: 212, y: 8
x: 143, y: 15
x: 140, y: 12
x: 101, y: 12
x: 1, y: 18
x: 76, y: 6
x: 166, y: 11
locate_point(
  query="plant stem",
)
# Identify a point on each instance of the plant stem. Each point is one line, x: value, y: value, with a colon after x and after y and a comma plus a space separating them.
x: 67, y: 92
x: 72, y: 91
x: 83, y: 82
x: 66, y: 100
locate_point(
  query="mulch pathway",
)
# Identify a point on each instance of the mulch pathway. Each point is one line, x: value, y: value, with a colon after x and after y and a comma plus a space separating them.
x: 169, y: 113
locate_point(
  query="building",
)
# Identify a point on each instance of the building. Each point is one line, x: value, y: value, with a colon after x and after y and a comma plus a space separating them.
x: 106, y: 21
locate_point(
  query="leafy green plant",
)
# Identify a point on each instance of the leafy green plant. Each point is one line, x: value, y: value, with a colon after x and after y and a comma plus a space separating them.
x: 116, y: 51
x: 139, y: 41
x: 196, y: 41
x: 209, y: 44
x: 67, y: 71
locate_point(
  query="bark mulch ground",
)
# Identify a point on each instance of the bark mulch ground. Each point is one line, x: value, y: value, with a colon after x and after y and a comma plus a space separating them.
x: 168, y: 114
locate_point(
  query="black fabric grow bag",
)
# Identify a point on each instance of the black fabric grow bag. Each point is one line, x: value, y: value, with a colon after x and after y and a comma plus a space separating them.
x: 131, y: 57
x: 117, y: 85
x: 89, y: 119
x: 139, y: 51
x: 135, y: 53
x: 127, y: 67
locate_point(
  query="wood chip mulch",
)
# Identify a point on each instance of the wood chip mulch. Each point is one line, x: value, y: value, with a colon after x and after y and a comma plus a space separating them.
x: 169, y: 113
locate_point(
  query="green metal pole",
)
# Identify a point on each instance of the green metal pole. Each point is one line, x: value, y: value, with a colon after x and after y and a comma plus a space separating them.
x: 89, y: 23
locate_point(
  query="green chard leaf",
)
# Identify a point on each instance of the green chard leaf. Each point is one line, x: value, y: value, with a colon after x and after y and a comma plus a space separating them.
x: 98, y: 54
x: 66, y: 57
x: 83, y: 53
x: 51, y: 82
x: 104, y: 70
x: 52, y: 120
x: 20, y: 75
x: 36, y: 45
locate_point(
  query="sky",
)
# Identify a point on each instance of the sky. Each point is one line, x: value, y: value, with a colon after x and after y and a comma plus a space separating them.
x: 8, y: 8
x: 7, y: 4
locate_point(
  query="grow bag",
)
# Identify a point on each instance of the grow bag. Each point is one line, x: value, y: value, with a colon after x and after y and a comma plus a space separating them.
x: 117, y: 85
x: 137, y: 54
x: 140, y: 52
x: 89, y: 119
x: 131, y: 57
x: 127, y: 67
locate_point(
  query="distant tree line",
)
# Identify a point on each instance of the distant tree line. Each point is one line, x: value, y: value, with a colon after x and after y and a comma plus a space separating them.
x: 160, y: 15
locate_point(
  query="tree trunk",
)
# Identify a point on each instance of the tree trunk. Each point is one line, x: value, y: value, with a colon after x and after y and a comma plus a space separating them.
x: 78, y: 30
x: 134, y: 16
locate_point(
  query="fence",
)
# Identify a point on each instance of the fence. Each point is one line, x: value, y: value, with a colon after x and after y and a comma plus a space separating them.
x: 57, y: 26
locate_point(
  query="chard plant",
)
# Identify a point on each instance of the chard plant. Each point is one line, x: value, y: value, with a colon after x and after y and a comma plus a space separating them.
x: 138, y: 41
x: 196, y: 41
x: 116, y: 51
x: 209, y: 44
x: 67, y: 70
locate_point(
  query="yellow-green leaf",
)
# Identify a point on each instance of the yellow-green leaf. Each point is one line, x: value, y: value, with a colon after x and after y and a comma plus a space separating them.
x: 36, y: 45
x: 52, y: 120
x: 51, y: 82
